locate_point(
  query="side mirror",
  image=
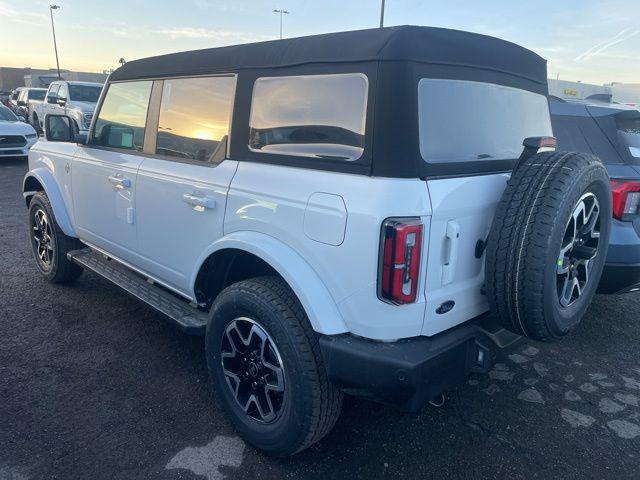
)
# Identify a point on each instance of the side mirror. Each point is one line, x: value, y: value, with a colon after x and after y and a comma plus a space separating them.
x: 52, y: 98
x: 61, y: 101
x: 22, y: 103
x: 59, y: 128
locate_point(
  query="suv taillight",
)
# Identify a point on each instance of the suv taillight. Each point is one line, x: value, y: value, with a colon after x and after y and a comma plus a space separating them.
x: 626, y: 199
x: 399, y: 270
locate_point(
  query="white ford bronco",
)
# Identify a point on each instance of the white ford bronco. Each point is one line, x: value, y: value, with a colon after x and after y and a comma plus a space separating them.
x: 379, y: 212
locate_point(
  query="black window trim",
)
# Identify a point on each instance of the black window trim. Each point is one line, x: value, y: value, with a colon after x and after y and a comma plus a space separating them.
x: 239, y: 145
x: 153, y: 108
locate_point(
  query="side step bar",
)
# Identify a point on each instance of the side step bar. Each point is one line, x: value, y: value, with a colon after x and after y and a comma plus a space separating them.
x: 188, y: 318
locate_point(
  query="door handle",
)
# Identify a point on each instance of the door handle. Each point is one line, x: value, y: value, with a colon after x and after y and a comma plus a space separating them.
x: 453, y: 237
x: 199, y: 200
x: 119, y: 182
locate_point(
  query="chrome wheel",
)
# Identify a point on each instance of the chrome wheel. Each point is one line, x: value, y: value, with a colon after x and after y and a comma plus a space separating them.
x: 253, y: 369
x: 42, y: 237
x: 579, y: 248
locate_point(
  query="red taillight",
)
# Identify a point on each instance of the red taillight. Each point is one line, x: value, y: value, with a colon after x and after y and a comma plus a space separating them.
x: 626, y: 199
x: 400, y: 260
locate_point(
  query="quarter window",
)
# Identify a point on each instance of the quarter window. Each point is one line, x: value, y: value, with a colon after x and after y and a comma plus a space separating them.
x: 318, y: 116
x: 194, y: 118
x: 628, y: 124
x: 123, y: 115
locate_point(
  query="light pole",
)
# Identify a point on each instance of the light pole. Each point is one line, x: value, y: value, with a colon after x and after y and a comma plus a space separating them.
x: 382, y: 14
x: 281, y: 12
x: 55, y: 45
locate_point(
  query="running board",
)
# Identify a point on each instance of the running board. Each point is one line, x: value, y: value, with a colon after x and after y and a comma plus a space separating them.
x: 188, y: 318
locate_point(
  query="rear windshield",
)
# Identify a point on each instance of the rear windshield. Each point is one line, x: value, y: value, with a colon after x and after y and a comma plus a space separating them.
x: 473, y: 121
x: 628, y: 125
x: 36, y: 94
x: 84, y: 93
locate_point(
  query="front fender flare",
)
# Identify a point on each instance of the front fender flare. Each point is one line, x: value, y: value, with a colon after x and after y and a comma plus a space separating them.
x: 314, y: 296
x: 48, y: 182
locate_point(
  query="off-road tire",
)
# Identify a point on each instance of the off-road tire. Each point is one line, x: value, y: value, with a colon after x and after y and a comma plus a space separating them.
x: 312, y: 404
x: 60, y: 269
x: 525, y: 241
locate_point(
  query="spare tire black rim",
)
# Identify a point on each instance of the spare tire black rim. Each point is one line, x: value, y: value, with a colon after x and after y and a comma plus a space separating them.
x: 579, y: 248
x: 253, y: 369
x: 42, y: 238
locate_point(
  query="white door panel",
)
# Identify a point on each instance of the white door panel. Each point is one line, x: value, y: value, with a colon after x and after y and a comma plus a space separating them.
x: 104, y: 186
x: 180, y: 212
x: 463, y: 209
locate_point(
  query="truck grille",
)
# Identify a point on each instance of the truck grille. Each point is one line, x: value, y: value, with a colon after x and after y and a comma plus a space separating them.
x: 12, y: 141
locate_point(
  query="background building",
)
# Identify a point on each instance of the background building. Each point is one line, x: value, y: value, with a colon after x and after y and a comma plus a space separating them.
x: 576, y: 90
x: 44, y: 79
x: 618, y: 92
x: 626, y: 92
x: 12, y: 77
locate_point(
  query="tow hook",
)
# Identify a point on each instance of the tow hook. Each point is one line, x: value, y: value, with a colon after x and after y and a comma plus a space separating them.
x: 437, y: 401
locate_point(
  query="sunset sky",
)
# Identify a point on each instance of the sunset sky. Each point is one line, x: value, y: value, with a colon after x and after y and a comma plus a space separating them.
x: 594, y: 41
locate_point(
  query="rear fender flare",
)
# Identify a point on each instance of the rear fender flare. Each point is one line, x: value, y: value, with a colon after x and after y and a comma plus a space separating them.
x: 314, y: 296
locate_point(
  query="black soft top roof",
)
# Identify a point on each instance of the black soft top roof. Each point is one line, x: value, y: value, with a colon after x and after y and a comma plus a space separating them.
x: 403, y: 43
x: 394, y: 60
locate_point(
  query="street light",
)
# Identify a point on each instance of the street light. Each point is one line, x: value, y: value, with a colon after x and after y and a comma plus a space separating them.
x: 281, y: 12
x: 55, y: 45
x: 382, y: 14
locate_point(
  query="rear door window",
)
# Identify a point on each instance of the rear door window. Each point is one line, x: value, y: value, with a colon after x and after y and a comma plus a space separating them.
x: 194, y: 118
x: 317, y: 116
x: 473, y: 121
x: 123, y: 115
x: 36, y: 94
x: 628, y: 125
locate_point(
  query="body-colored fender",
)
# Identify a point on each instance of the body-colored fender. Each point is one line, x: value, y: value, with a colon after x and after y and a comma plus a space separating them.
x: 316, y: 300
x: 45, y: 178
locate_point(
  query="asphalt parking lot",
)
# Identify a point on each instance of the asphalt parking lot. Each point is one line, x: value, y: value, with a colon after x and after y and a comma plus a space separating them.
x: 93, y: 385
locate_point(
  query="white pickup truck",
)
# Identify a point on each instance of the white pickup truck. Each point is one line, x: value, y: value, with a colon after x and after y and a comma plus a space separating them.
x: 74, y: 99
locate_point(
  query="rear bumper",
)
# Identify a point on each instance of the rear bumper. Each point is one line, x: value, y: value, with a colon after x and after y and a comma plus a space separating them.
x: 620, y: 278
x: 410, y: 372
x: 622, y: 269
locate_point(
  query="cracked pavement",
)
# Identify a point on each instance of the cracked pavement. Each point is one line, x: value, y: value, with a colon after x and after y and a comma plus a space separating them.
x: 94, y: 384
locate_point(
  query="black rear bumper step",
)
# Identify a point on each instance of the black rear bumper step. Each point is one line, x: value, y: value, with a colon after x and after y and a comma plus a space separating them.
x: 409, y: 373
x: 187, y: 317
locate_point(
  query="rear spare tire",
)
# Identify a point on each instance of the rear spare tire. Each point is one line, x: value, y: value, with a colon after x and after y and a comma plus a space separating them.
x: 548, y: 243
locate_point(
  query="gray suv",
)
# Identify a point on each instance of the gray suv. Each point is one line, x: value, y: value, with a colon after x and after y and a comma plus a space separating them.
x: 612, y: 132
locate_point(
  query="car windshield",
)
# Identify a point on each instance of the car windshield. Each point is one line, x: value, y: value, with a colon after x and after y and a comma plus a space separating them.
x: 628, y: 125
x: 464, y: 121
x: 36, y: 94
x: 7, y: 115
x: 84, y: 93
